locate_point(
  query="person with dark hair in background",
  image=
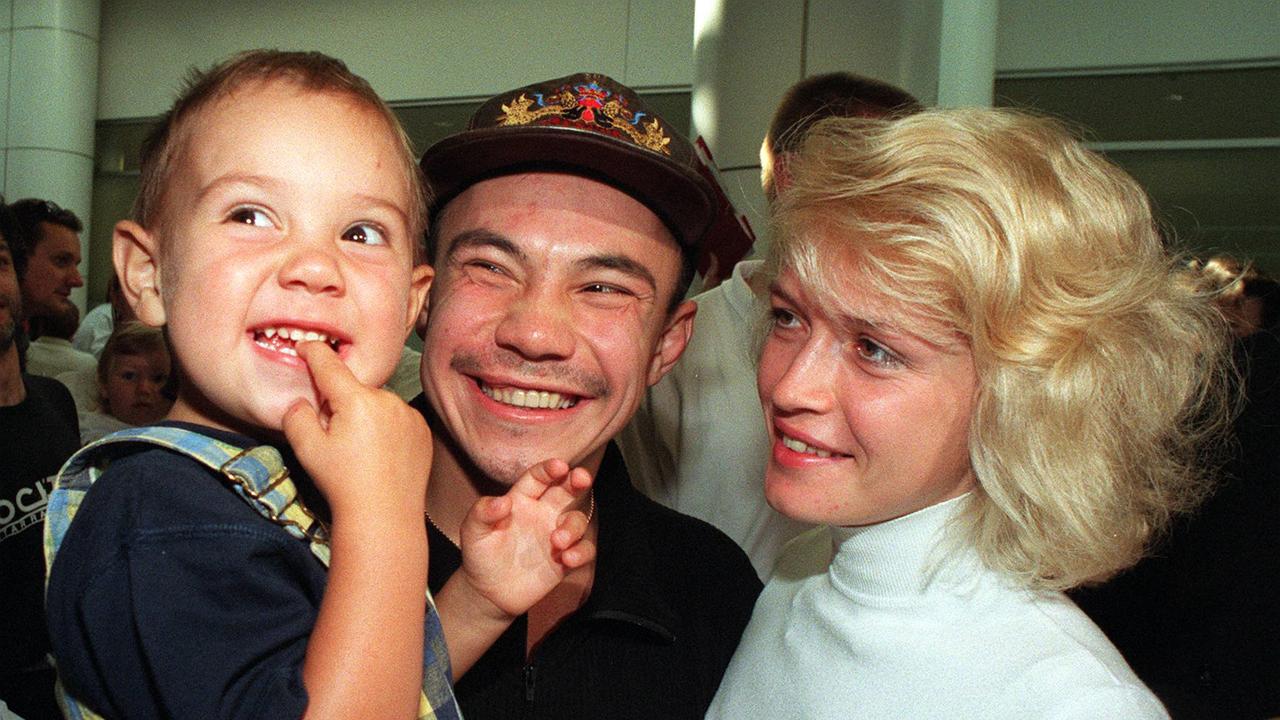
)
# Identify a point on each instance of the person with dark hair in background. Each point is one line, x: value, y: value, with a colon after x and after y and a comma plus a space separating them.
x: 697, y: 443
x: 98, y: 323
x: 1197, y: 619
x: 38, y: 431
x: 52, y: 354
x: 47, y: 259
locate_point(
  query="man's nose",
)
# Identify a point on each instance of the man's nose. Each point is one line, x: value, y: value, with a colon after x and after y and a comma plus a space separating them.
x: 536, y: 327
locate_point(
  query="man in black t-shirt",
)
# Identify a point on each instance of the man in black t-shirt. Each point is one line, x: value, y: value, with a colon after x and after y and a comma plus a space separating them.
x: 567, y: 221
x: 38, y: 432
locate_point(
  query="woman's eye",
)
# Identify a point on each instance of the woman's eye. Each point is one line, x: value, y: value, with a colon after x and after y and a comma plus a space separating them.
x: 783, y: 318
x: 250, y: 216
x: 365, y: 234
x: 876, y: 354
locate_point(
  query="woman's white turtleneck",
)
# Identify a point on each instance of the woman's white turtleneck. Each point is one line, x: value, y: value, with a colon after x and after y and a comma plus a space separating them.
x: 883, y: 621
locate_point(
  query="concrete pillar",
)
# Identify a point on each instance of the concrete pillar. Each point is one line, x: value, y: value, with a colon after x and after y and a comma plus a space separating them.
x: 746, y: 53
x: 51, y: 57
x: 967, y: 53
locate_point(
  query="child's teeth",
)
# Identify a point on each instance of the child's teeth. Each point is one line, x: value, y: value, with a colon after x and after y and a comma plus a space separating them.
x: 297, y: 335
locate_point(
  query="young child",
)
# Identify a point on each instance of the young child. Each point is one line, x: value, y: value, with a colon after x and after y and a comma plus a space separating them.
x: 132, y: 379
x: 276, y: 237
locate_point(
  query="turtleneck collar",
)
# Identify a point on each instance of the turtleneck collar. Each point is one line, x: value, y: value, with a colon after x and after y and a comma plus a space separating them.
x: 900, y: 559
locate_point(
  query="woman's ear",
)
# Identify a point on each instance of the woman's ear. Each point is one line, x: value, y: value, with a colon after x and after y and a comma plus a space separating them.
x: 136, y: 256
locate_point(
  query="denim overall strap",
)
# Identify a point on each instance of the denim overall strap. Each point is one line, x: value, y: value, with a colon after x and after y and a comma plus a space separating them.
x: 258, y: 475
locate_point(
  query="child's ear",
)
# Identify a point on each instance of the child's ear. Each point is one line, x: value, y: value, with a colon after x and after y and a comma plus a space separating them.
x: 419, y: 288
x: 136, y: 254
x: 672, y: 342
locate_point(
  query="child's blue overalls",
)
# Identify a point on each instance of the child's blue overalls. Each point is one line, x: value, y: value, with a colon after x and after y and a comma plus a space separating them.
x: 259, y: 477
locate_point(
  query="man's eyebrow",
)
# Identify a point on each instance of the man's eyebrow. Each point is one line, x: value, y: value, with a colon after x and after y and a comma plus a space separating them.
x: 480, y: 238
x: 621, y: 263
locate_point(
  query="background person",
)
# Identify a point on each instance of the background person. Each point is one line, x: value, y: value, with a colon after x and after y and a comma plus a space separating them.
x: 697, y: 443
x: 98, y: 323
x: 985, y: 380
x: 38, y: 433
x: 47, y: 258
x: 133, y: 382
x: 52, y: 354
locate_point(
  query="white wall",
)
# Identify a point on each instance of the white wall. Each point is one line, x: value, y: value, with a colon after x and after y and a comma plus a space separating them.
x: 894, y: 41
x: 1057, y: 34
x: 427, y: 49
x: 408, y: 50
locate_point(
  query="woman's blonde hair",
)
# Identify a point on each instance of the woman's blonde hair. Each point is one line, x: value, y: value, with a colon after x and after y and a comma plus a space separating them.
x: 1102, y: 376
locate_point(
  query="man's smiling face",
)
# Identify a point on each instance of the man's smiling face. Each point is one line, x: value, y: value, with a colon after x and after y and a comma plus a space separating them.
x: 548, y: 319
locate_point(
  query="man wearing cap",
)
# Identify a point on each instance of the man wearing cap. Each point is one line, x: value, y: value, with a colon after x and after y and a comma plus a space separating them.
x: 567, y: 223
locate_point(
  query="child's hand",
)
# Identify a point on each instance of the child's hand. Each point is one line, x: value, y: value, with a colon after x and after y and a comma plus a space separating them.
x: 370, y: 454
x: 366, y: 450
x: 517, y: 547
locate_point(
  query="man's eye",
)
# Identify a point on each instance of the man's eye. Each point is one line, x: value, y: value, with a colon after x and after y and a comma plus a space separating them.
x: 128, y: 376
x: 484, y: 265
x: 250, y: 216
x: 365, y: 234
x: 603, y: 288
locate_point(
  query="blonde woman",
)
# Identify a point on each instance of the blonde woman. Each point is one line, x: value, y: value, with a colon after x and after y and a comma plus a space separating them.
x: 984, y: 379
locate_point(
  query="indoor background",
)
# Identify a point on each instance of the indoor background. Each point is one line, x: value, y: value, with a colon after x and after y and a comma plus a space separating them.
x: 1182, y: 93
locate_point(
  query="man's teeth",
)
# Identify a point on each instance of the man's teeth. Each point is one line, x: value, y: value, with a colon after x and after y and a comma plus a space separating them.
x: 274, y: 338
x: 801, y: 447
x: 528, y: 398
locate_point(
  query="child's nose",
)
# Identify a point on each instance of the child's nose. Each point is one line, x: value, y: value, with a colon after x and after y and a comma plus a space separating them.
x: 313, y: 267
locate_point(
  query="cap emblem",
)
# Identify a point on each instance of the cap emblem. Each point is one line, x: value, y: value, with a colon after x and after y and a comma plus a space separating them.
x: 587, y: 106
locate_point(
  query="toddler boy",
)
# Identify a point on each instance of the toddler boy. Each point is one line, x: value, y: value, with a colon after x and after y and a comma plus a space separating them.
x: 276, y: 238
